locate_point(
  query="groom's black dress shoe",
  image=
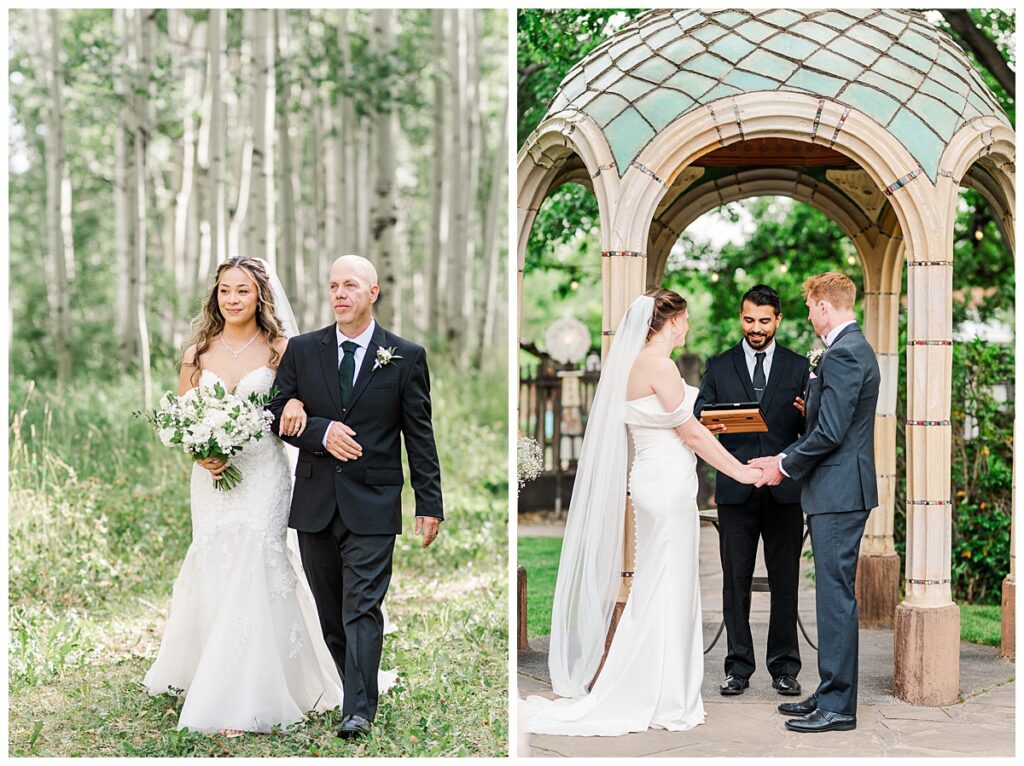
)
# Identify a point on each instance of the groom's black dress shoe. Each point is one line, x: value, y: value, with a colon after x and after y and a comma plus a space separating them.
x: 787, y: 685
x: 823, y: 720
x: 353, y: 726
x: 733, y: 685
x: 803, y: 707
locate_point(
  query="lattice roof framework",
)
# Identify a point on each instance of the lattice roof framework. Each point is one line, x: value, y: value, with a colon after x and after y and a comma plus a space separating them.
x: 892, y: 65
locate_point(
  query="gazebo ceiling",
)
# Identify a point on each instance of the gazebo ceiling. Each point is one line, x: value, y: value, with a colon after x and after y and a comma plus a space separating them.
x: 892, y: 65
x: 773, y: 152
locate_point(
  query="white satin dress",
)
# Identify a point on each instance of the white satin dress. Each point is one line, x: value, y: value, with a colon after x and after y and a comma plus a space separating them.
x: 652, y: 676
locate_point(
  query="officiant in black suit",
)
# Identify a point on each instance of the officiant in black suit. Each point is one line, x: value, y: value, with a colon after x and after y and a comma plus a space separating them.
x: 759, y: 369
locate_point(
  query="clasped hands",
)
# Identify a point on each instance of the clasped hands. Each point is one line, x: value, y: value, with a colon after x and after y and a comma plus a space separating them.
x: 771, y: 473
x: 340, y: 442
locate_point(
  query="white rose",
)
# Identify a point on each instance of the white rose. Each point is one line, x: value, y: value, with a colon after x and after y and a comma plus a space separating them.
x: 166, y: 435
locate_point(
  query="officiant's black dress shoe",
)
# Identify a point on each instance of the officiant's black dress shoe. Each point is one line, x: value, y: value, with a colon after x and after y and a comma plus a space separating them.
x: 803, y: 707
x: 823, y: 720
x: 786, y: 685
x: 733, y: 685
x: 353, y: 726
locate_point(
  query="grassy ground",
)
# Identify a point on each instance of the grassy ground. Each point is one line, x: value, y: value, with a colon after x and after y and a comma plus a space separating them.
x: 979, y: 624
x: 99, y: 525
x: 540, y: 557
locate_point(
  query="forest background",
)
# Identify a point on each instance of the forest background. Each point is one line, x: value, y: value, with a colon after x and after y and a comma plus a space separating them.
x: 145, y: 147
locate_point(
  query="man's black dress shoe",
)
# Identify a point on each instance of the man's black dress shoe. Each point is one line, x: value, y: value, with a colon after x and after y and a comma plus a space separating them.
x: 787, y: 685
x: 823, y: 720
x: 803, y: 707
x: 353, y: 726
x: 733, y: 685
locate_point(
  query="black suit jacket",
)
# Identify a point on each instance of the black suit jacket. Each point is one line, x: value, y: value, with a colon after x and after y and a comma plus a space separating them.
x: 390, y: 401
x: 726, y: 380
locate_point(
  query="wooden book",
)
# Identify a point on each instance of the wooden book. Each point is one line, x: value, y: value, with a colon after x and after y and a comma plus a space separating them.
x: 737, y: 417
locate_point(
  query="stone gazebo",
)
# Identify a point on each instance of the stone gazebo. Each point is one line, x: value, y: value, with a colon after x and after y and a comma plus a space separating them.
x: 874, y: 117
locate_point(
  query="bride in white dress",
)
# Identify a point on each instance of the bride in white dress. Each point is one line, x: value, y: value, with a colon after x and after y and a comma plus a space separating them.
x: 243, y: 640
x: 655, y: 664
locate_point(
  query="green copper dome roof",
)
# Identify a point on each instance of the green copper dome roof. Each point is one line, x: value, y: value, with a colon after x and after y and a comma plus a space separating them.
x: 892, y: 65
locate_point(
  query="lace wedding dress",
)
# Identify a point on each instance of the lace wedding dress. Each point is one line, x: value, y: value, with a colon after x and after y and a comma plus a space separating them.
x: 655, y: 666
x: 242, y: 639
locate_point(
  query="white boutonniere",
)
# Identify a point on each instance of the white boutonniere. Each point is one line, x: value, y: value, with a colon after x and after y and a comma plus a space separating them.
x: 814, y: 357
x: 384, y: 357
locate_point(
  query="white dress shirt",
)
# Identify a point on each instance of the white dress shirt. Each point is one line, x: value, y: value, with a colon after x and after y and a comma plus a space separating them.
x: 749, y: 352
x: 363, y: 341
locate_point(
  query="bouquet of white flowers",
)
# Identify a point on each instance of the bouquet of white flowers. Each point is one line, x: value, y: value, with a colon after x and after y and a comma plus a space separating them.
x: 529, y: 460
x: 212, y: 422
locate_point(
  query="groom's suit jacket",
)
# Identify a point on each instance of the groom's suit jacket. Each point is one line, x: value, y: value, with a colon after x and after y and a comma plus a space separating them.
x: 726, y: 379
x: 835, y: 458
x: 386, y: 404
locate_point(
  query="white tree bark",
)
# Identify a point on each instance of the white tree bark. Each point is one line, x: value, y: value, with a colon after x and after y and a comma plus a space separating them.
x: 262, y: 235
x: 349, y: 220
x: 384, y: 214
x: 289, y: 250
x: 218, y: 213
x: 139, y: 111
x: 457, y: 271
x: 491, y: 308
x: 123, y: 256
x: 437, y: 271
x: 58, y: 290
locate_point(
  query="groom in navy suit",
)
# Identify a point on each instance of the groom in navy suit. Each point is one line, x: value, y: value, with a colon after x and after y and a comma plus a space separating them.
x: 759, y: 369
x: 835, y: 459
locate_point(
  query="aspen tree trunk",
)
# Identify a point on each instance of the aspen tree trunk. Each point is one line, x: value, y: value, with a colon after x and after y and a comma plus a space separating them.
x: 239, y: 230
x: 471, y: 110
x: 320, y: 156
x: 123, y: 257
x: 457, y: 274
x: 262, y: 215
x: 288, y: 253
x: 491, y: 308
x: 218, y: 213
x: 366, y: 175
x: 384, y: 214
x: 48, y: 33
x: 140, y: 140
x: 348, y: 233
x: 437, y: 270
x: 182, y: 38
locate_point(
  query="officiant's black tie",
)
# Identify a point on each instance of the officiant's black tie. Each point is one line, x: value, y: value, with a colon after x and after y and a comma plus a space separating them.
x: 759, y: 379
x: 347, y: 371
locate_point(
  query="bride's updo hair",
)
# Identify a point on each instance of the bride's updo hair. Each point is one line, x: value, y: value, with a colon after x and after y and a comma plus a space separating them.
x: 666, y: 305
x: 210, y: 322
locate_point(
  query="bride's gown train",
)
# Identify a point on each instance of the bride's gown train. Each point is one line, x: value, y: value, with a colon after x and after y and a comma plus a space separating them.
x: 243, y: 640
x: 652, y: 676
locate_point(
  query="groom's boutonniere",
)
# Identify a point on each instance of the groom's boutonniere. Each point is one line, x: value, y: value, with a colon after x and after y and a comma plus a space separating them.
x: 814, y: 357
x: 384, y: 357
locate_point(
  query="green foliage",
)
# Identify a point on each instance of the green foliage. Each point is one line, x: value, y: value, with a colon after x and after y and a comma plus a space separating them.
x: 99, y: 525
x: 1000, y: 26
x: 549, y: 42
x: 539, y: 555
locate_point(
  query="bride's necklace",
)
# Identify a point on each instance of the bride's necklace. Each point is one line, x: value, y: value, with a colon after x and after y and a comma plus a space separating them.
x: 238, y: 353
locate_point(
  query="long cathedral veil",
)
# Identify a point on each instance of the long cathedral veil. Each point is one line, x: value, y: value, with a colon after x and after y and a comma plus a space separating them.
x: 591, y: 559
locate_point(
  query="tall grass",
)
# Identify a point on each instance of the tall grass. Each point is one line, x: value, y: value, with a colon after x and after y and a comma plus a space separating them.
x: 99, y: 525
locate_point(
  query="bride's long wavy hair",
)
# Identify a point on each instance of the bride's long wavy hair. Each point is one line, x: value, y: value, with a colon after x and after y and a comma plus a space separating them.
x: 667, y: 304
x: 210, y: 322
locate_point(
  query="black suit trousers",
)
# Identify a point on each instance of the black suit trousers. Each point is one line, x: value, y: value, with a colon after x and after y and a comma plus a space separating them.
x: 349, y: 575
x: 781, y: 526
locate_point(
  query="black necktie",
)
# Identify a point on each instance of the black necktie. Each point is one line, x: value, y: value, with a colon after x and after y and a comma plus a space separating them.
x: 759, y: 379
x: 347, y: 371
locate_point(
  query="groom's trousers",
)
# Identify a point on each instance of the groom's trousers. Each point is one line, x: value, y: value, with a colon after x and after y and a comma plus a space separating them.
x: 835, y: 539
x: 349, y: 575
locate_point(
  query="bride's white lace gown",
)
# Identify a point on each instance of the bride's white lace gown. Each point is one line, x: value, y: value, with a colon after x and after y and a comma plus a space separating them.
x: 242, y: 639
x: 652, y: 676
